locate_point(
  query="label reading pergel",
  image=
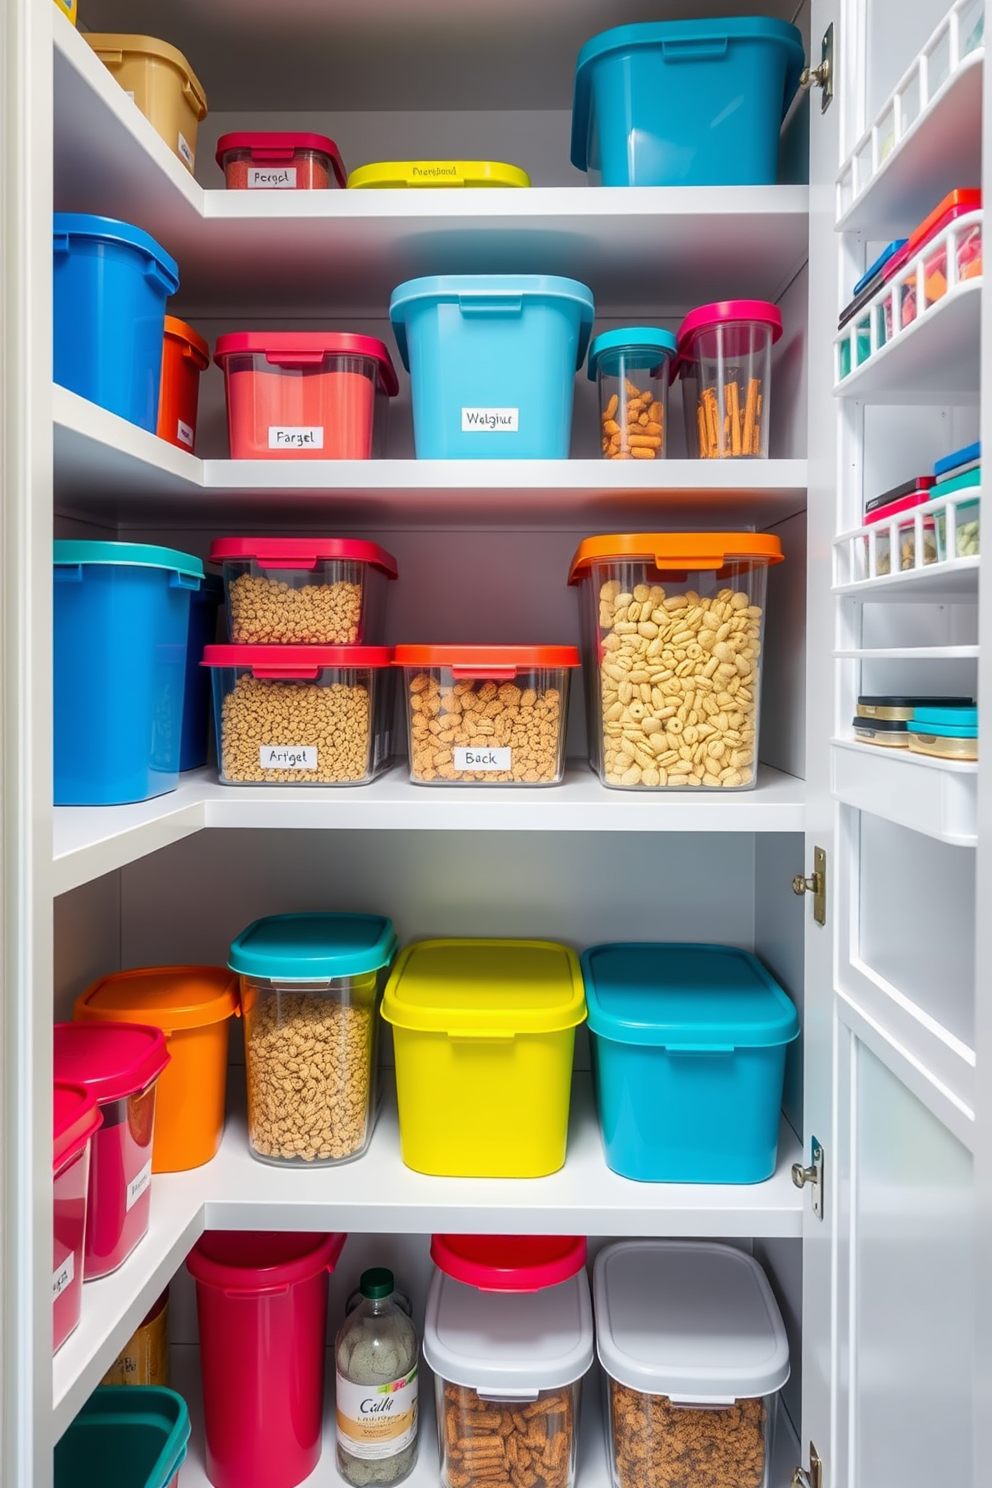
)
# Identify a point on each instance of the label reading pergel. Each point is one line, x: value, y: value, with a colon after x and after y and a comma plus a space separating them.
x: 490, y: 420
x: 295, y: 436
x: 376, y: 1421
x: 483, y: 759
x: 269, y: 178
x: 287, y: 756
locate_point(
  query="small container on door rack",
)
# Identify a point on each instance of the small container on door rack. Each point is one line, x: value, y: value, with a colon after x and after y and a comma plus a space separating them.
x: 144, y: 1359
x: 725, y: 364
x: 161, y: 83
x: 886, y: 733
x: 898, y: 707
x: 484, y: 1032
x: 204, y: 605
x: 945, y: 733
x: 967, y: 257
x: 509, y: 1336
x: 310, y: 992
x: 305, y: 395
x: 896, y: 541
x: 131, y: 1438
x: 76, y: 1121
x: 119, y: 1064
x: 632, y: 369
x: 695, y: 1354
x: 185, y: 355
x: 954, y: 473
x: 279, y: 161
x: 390, y: 174
x: 506, y: 709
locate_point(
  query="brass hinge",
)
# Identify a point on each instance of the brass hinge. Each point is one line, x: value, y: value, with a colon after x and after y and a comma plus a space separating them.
x: 816, y: 885
x: 822, y: 76
x: 813, y: 1176
x: 811, y: 1477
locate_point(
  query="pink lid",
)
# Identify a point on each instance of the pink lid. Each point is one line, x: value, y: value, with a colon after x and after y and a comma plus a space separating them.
x: 296, y: 662
x: 295, y: 349
x: 76, y: 1118
x: 905, y: 503
x: 760, y: 311
x: 111, y: 1060
x: 242, y: 1261
x: 302, y: 552
x: 277, y: 147
x: 509, y: 1263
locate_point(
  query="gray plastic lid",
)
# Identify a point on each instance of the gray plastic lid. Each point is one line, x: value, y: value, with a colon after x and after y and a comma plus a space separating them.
x: 509, y: 1345
x: 691, y: 1320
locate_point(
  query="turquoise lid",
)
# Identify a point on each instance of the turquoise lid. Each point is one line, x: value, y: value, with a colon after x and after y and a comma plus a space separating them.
x: 702, y: 998
x: 949, y: 717
x: 489, y: 294
x: 313, y: 947
x: 71, y: 552
x: 67, y: 225
x: 650, y: 339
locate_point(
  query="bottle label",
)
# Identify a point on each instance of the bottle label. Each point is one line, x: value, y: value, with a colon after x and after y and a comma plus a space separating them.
x: 376, y: 1421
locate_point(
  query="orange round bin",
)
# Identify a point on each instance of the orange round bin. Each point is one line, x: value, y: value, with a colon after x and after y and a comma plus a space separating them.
x: 191, y: 1005
x: 185, y: 355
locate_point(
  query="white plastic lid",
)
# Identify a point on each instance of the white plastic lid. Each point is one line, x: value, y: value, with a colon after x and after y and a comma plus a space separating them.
x: 694, y: 1321
x: 509, y: 1345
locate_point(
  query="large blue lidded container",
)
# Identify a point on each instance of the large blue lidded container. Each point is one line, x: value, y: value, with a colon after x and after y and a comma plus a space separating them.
x: 121, y: 634
x: 685, y: 103
x: 204, y: 603
x: 125, y: 1436
x: 689, y: 1045
x: 492, y: 361
x: 111, y: 283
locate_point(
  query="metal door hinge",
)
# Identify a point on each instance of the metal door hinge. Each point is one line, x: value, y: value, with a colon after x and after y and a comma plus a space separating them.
x: 813, y: 1175
x: 812, y: 1476
x: 816, y: 885
x: 822, y: 76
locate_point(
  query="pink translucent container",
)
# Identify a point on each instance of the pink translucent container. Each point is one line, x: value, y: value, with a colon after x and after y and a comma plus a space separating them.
x: 280, y: 161
x: 725, y: 363
x: 76, y: 1120
x: 118, y: 1064
x: 261, y: 1302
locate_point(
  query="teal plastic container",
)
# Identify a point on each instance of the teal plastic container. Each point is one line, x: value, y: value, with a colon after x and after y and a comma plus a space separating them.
x: 689, y: 1045
x: 125, y: 1436
x: 492, y: 361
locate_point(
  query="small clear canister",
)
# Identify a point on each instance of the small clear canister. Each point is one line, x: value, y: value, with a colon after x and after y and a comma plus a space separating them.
x: 725, y: 363
x: 632, y: 370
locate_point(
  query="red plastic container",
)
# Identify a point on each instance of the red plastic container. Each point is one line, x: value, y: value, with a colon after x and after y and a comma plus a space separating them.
x: 279, y: 161
x: 118, y: 1064
x: 509, y: 1263
x: 261, y: 1301
x: 185, y: 355
x: 76, y: 1119
x: 305, y: 395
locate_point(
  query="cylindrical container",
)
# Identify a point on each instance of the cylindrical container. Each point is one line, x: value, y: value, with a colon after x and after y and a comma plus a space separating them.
x: 492, y: 361
x: 310, y: 990
x: 134, y: 1438
x: 632, y: 368
x: 689, y: 1043
x: 502, y: 710
x: 725, y: 364
x: 144, y: 1359
x: 484, y: 1032
x: 509, y: 1336
x: 161, y: 83
x: 301, y: 715
x: 121, y: 633
x: 393, y: 174
x: 204, y: 604
x: 119, y: 1064
x: 76, y: 1121
x: 305, y: 395
x: 695, y: 1353
x: 377, y: 1386
x: 185, y: 355
x: 887, y: 733
x: 111, y: 282
x: 261, y: 1303
x: 192, y: 1006
x: 279, y: 161
x: 305, y: 591
x: 687, y: 610
x: 946, y: 733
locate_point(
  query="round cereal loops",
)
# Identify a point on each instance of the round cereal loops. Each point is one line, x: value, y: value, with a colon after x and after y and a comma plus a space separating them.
x: 660, y: 1445
x: 496, y: 1444
x: 474, y: 714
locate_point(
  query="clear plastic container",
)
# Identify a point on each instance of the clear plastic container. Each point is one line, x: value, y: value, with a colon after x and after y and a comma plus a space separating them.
x: 966, y: 531
x: 632, y: 370
x: 905, y: 533
x: 725, y: 363
x: 279, y: 161
x: 325, y: 591
x: 377, y: 1386
x: 75, y: 1122
x: 672, y: 630
x: 502, y: 712
x: 301, y: 715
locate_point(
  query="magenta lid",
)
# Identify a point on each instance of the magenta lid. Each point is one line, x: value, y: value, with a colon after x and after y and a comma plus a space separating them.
x: 277, y: 147
x: 294, y: 349
x: 260, y: 1261
x: 76, y: 1118
x: 296, y: 661
x: 111, y: 1060
x: 905, y: 503
x: 700, y: 319
x: 509, y: 1263
x: 302, y: 552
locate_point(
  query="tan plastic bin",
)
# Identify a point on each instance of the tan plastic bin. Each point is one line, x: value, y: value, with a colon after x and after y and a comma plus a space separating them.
x: 162, y: 84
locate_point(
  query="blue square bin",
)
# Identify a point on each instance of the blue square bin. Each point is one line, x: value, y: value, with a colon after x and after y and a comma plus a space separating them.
x: 689, y: 1045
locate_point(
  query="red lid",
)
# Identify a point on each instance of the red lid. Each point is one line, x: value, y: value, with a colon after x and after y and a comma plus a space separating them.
x: 509, y: 1263
x: 193, y: 343
x: 295, y: 663
x: 76, y: 1118
x: 955, y: 204
x: 294, y: 349
x: 905, y: 503
x: 722, y: 311
x: 301, y: 552
x: 111, y: 1060
x: 240, y: 1262
x: 493, y: 663
x: 277, y: 147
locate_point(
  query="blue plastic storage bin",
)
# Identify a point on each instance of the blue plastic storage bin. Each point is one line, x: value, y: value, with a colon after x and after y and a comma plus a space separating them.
x: 685, y: 103
x: 111, y: 282
x: 203, y: 606
x: 492, y: 361
x: 125, y: 1436
x: 689, y: 1045
x: 121, y: 634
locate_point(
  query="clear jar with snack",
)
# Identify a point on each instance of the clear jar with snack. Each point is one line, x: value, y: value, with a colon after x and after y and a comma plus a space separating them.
x: 305, y: 591
x: 631, y: 368
x: 725, y: 364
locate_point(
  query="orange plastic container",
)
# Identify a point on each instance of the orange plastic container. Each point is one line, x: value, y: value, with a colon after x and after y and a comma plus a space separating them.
x: 185, y: 355
x: 191, y: 1005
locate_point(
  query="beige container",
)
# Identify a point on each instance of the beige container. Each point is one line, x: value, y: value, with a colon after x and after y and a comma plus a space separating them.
x: 144, y: 1359
x: 162, y: 84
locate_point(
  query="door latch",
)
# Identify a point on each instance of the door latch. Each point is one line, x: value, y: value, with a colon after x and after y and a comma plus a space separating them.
x: 822, y: 76
x: 816, y: 885
x: 813, y: 1175
x: 811, y: 1477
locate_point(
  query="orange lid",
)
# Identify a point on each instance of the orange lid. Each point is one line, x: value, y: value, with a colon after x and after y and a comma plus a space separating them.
x: 490, y: 662
x: 193, y: 343
x: 167, y: 997
x: 677, y: 550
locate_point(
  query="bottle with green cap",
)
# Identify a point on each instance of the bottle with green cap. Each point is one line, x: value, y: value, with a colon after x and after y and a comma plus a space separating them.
x: 376, y: 1357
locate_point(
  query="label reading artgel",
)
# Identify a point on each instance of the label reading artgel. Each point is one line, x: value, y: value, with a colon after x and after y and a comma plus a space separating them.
x: 287, y: 756
x: 376, y: 1421
x: 185, y: 152
x: 62, y: 1275
x: 483, y: 759
x: 138, y: 1185
x: 490, y: 420
x: 286, y: 436
x: 270, y: 178
x: 184, y: 433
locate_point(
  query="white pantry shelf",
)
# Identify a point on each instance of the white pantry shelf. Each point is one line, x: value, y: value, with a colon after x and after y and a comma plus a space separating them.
x: 936, y: 797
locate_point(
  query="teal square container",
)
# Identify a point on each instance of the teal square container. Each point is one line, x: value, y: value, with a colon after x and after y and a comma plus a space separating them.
x: 125, y: 1436
x: 492, y: 360
x: 689, y: 1045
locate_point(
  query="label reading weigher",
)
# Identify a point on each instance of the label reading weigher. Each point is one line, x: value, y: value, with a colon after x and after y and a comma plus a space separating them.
x: 490, y: 420
x: 376, y: 1421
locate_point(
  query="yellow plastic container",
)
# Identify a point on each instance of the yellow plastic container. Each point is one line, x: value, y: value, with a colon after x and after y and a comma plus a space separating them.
x: 68, y: 8
x: 162, y: 84
x: 144, y: 1359
x: 403, y: 173
x: 484, y: 1032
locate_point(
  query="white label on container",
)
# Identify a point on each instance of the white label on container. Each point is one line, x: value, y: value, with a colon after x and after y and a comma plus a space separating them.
x: 287, y: 756
x: 483, y: 759
x: 376, y: 1421
x: 63, y: 1275
x: 184, y: 433
x: 490, y: 420
x: 185, y: 153
x: 270, y: 178
x: 130, y: 93
x: 138, y: 1185
x: 286, y: 437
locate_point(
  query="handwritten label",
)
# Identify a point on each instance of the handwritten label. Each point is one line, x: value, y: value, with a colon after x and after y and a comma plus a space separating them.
x: 184, y: 433
x: 269, y: 178
x: 185, y: 153
x: 483, y: 759
x: 286, y: 436
x: 490, y: 420
x: 287, y: 757
x: 63, y: 1275
x: 138, y: 1185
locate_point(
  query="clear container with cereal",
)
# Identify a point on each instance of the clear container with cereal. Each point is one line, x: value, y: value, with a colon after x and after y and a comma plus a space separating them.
x: 672, y: 631
x: 631, y: 368
x: 695, y: 1353
x: 310, y: 991
x: 725, y: 363
x: 306, y: 591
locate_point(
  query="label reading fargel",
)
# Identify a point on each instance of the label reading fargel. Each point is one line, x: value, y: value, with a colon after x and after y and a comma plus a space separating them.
x: 483, y: 759
x: 272, y: 178
x: 287, y: 756
x: 490, y: 420
x: 295, y: 436
x: 138, y: 1185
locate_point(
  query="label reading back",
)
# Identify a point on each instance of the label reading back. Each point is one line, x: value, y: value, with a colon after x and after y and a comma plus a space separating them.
x: 185, y: 153
x: 288, y: 756
x: 483, y: 759
x: 296, y: 436
x: 63, y: 1275
x: 272, y: 178
x: 184, y: 433
x: 490, y: 420
x: 138, y: 1185
x: 376, y: 1421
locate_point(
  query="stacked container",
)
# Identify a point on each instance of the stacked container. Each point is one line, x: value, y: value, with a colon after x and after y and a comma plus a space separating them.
x: 76, y: 1121
x: 418, y: 174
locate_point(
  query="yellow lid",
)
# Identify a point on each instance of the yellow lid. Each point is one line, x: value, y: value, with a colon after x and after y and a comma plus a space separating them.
x: 113, y: 46
x: 480, y: 987
x: 437, y: 173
